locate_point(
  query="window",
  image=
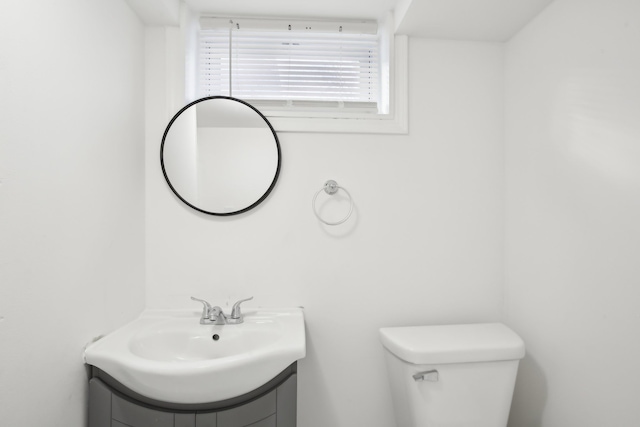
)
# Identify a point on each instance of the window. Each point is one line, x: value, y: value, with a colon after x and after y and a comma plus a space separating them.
x: 297, y: 69
x: 308, y: 64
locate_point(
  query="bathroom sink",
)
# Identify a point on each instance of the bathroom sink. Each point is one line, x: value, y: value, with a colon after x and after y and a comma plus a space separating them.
x: 167, y: 355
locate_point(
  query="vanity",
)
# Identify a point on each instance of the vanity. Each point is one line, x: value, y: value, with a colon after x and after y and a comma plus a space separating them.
x: 169, y: 369
x: 273, y: 405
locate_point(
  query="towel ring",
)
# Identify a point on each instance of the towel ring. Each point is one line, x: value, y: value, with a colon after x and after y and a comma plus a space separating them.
x: 331, y: 187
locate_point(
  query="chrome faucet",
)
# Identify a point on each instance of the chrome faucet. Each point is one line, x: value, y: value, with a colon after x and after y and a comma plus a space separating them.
x: 213, y: 315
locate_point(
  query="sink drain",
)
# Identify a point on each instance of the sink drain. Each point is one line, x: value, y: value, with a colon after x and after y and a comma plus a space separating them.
x: 215, y: 337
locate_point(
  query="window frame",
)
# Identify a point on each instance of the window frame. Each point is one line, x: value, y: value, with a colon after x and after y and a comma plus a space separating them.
x: 394, y: 99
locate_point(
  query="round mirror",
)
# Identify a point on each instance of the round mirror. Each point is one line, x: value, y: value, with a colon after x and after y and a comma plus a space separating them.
x: 220, y: 156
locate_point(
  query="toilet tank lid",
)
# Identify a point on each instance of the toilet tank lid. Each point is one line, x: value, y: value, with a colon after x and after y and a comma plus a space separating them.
x: 427, y: 345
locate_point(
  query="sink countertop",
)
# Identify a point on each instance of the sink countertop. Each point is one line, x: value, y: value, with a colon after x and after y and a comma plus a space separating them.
x: 169, y: 356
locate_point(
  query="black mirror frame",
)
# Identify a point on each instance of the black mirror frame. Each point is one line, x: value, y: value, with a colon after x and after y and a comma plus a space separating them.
x: 275, y: 177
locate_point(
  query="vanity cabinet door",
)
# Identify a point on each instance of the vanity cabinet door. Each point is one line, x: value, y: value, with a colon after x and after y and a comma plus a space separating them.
x: 138, y: 416
x: 287, y: 395
x: 207, y: 420
x: 185, y: 420
x: 267, y: 422
x: 99, y: 404
x: 249, y: 413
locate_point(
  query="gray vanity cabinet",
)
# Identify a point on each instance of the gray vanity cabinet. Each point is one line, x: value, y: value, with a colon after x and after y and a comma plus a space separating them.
x: 111, y: 408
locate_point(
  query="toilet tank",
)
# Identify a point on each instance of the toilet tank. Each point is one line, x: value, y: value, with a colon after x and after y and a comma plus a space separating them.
x: 452, y: 375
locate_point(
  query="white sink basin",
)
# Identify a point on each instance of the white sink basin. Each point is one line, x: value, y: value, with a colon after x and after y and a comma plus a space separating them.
x: 169, y: 356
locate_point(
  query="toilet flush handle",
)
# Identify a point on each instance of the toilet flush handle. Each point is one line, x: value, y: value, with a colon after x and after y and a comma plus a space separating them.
x: 426, y: 376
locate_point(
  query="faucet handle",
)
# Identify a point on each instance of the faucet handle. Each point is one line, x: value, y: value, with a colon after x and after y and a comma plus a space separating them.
x: 206, y: 307
x: 236, y: 312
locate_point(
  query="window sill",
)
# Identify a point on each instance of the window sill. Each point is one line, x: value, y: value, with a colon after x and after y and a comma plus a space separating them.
x: 381, y: 123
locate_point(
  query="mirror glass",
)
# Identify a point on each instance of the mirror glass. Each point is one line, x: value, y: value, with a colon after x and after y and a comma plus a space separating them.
x: 220, y: 155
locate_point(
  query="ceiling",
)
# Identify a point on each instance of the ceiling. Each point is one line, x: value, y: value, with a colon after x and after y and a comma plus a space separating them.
x: 481, y: 20
x: 345, y: 9
x: 484, y: 20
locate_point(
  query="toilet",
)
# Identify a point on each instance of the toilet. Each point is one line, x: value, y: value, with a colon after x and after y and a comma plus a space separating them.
x: 452, y: 375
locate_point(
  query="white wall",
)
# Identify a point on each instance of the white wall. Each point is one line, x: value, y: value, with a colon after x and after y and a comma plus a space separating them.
x: 573, y: 209
x: 71, y: 197
x: 425, y: 244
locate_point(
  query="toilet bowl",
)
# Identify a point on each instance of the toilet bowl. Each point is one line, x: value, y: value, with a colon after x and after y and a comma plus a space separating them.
x: 452, y: 375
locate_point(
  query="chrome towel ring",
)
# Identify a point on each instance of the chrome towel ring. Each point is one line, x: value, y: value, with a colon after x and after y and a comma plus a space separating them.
x: 331, y: 187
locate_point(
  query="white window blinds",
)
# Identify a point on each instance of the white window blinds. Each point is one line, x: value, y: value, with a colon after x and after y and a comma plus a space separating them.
x: 304, y: 67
